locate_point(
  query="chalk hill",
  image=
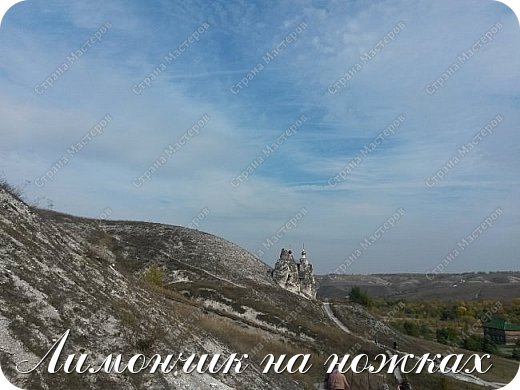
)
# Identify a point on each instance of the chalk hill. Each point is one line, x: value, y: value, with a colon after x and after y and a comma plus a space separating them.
x: 134, y: 287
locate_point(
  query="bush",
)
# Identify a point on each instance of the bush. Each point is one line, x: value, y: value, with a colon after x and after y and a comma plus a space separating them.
x: 489, y: 346
x: 411, y: 328
x: 154, y: 276
x: 448, y: 314
x: 473, y: 343
x: 425, y: 330
x: 445, y: 335
x: 9, y: 188
x: 359, y: 296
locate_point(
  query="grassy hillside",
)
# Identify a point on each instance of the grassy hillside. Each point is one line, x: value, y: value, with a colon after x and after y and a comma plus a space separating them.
x: 134, y: 287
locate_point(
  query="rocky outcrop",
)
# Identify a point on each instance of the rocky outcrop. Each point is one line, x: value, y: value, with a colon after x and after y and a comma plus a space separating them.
x: 293, y: 276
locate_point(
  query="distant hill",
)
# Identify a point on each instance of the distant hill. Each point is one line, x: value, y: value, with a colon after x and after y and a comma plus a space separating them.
x: 504, y: 286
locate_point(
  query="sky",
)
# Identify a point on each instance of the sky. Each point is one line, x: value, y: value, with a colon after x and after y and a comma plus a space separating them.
x: 337, y: 175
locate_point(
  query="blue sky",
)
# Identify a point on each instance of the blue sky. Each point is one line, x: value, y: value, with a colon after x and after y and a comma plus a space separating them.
x: 36, y: 129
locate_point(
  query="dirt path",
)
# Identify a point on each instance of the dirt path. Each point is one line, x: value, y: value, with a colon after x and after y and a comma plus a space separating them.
x: 206, y: 272
x: 334, y: 319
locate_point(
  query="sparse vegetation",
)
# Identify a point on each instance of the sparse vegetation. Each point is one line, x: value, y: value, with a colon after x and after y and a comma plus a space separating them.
x: 516, y: 351
x: 5, y: 185
x: 359, y: 296
x: 446, y: 335
x: 411, y: 328
x: 154, y: 276
x: 457, y: 323
x: 148, y: 288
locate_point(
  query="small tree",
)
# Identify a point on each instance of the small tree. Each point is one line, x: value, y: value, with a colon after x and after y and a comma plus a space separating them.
x: 448, y: 314
x: 445, y: 335
x: 359, y: 296
x: 154, y: 276
x: 411, y: 328
x: 489, y: 346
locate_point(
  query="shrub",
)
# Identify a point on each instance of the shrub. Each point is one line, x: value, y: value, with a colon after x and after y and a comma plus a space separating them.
x: 489, y: 346
x: 359, y: 296
x: 154, y: 276
x: 9, y: 188
x: 445, y: 335
x: 448, y: 314
x: 473, y: 343
x: 411, y: 328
